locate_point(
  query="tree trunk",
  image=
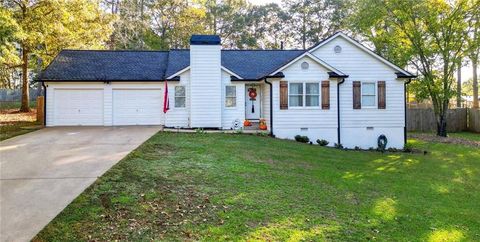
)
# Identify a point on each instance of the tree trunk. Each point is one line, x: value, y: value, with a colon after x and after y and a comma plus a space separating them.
x: 475, y: 84
x: 459, y: 84
x: 442, y: 125
x: 25, y: 85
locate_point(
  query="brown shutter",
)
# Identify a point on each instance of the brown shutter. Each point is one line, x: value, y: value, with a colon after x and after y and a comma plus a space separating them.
x: 381, y: 95
x: 357, y: 95
x: 325, y: 94
x: 283, y: 95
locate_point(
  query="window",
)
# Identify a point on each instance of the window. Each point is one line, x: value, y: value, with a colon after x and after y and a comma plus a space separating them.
x: 296, y: 95
x: 230, y: 96
x: 312, y: 94
x: 304, y: 94
x: 368, y: 94
x: 180, y: 96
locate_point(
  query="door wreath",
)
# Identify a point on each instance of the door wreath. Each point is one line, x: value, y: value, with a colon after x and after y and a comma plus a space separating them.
x: 252, y: 93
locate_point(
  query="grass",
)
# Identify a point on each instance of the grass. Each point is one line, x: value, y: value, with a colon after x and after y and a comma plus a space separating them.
x: 226, y: 187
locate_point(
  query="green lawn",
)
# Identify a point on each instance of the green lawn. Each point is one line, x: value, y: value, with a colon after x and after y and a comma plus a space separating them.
x: 212, y: 187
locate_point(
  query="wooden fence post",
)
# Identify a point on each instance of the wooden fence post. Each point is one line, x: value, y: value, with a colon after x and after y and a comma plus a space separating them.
x: 40, y: 110
x: 474, y: 120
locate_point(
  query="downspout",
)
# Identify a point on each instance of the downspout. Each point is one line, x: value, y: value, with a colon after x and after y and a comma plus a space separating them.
x: 271, y: 106
x: 338, y: 110
x: 405, y: 110
x: 44, y: 104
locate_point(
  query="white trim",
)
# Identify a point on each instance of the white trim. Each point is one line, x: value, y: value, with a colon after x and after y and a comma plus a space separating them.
x: 304, y: 94
x: 188, y: 68
x: 225, y: 101
x: 316, y: 59
x: 230, y: 72
x: 179, y: 72
x: 354, y: 42
x: 375, y: 104
x: 175, y: 97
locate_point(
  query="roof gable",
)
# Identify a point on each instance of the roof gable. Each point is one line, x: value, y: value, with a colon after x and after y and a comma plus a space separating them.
x: 314, y: 58
x: 362, y: 47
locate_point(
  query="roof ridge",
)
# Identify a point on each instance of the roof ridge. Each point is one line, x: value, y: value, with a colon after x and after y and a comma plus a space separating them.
x: 262, y: 50
x: 79, y: 50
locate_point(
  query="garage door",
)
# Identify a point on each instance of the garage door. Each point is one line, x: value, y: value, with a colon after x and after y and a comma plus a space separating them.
x: 78, y: 107
x: 137, y: 106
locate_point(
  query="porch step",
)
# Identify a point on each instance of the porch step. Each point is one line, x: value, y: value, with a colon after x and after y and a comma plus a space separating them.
x: 254, y: 126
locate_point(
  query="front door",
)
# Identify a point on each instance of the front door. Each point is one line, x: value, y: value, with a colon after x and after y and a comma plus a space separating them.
x: 252, y: 102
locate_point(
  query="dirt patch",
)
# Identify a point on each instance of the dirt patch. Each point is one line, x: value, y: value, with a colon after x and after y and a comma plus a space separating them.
x: 445, y: 140
x: 174, y: 209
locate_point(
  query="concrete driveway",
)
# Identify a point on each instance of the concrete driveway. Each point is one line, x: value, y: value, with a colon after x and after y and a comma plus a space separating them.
x: 43, y: 171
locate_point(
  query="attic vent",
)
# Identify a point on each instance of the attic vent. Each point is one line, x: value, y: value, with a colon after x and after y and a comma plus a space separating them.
x: 305, y: 65
x: 337, y: 49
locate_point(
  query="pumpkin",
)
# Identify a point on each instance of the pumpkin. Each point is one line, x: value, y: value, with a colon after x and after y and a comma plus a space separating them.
x: 247, y: 123
x: 262, y: 127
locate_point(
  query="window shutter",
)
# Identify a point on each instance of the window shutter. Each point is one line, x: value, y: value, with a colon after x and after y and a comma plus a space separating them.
x: 283, y: 95
x: 381, y: 95
x: 357, y: 102
x: 325, y: 94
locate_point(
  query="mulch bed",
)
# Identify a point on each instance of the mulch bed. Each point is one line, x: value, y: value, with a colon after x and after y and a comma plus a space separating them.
x: 446, y: 140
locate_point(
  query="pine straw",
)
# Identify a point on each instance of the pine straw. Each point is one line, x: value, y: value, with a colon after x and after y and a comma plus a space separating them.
x: 446, y: 140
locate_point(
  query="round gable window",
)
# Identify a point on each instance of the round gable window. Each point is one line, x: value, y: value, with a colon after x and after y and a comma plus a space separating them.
x: 305, y: 65
x: 337, y: 49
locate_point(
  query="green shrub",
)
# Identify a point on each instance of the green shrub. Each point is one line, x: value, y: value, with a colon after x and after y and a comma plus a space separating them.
x: 408, y: 147
x: 338, y: 146
x: 302, y: 139
x: 322, y: 142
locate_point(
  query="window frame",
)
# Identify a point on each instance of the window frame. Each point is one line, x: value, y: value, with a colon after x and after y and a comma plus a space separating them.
x: 375, y: 94
x: 175, y: 97
x: 226, y: 97
x: 304, y: 94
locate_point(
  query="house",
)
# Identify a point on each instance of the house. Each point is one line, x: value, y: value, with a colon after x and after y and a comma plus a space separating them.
x: 338, y: 90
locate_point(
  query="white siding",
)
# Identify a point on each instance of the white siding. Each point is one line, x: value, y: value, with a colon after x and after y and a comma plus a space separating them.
x: 205, y: 86
x: 107, y: 105
x: 266, y: 103
x: 361, y: 66
x: 179, y: 117
x: 230, y: 114
x: 314, y: 122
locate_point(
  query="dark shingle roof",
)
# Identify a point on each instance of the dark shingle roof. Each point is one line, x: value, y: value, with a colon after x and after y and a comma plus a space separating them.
x: 94, y: 65
x: 177, y: 60
x: 256, y: 64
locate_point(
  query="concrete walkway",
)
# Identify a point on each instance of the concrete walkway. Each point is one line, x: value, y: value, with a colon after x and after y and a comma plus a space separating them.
x: 43, y: 171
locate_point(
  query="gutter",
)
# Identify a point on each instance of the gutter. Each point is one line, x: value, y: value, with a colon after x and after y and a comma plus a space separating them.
x: 44, y: 104
x: 338, y: 110
x: 405, y: 109
x: 271, y: 106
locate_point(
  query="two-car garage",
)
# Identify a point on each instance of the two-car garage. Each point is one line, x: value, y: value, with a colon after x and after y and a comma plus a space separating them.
x: 103, y: 105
